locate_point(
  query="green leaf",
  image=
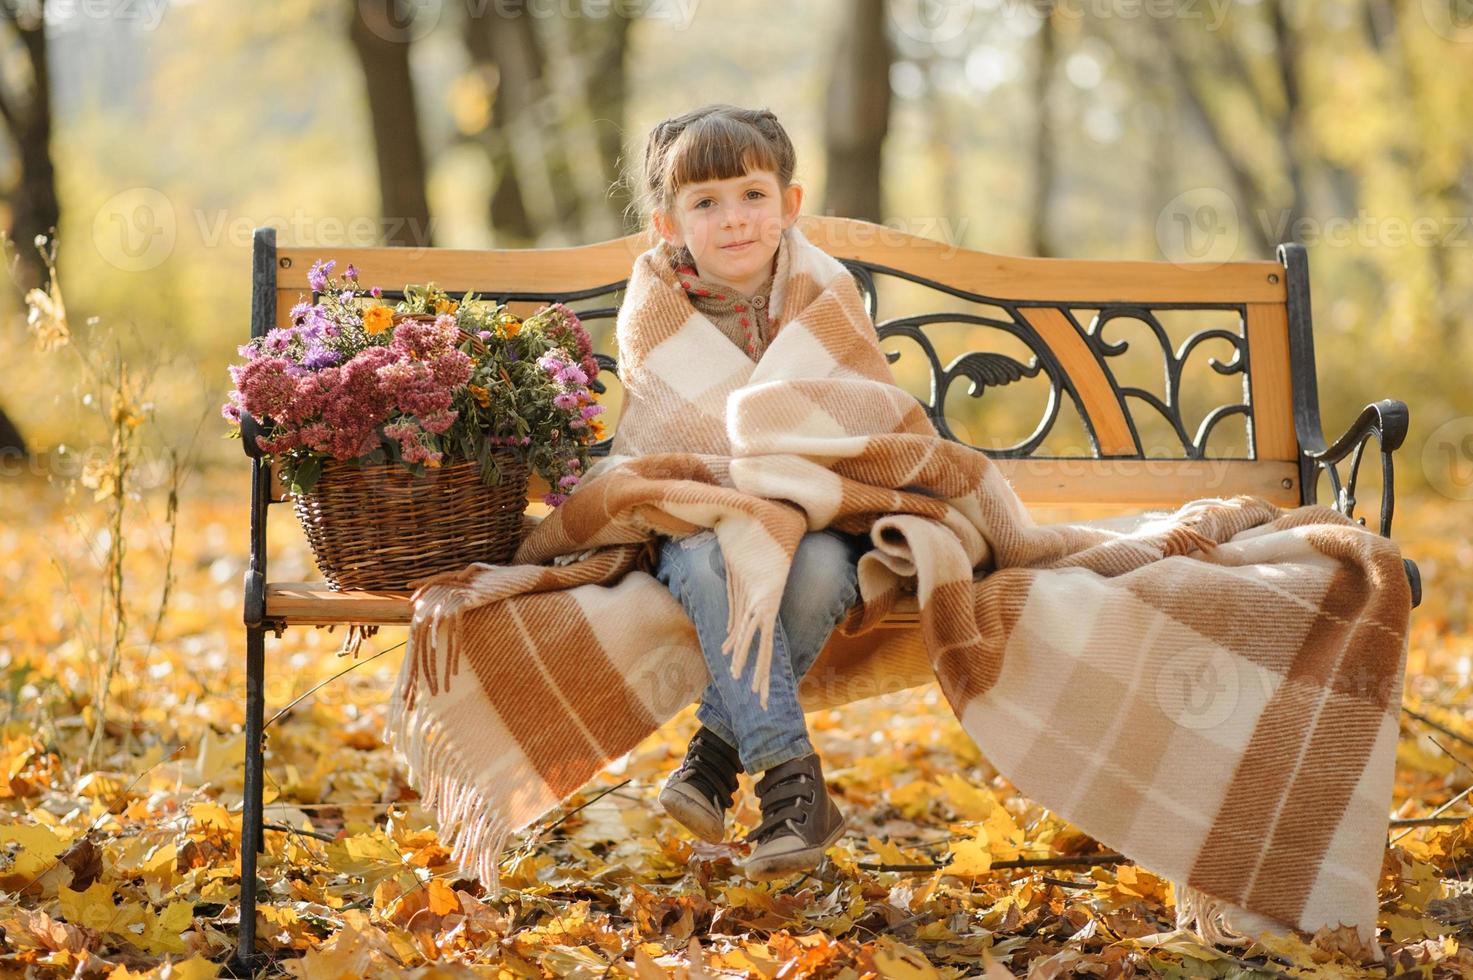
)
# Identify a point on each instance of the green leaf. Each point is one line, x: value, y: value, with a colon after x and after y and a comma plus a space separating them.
x: 306, y: 474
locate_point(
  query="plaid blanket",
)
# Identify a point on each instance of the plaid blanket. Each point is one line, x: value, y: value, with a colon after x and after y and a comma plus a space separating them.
x: 1211, y: 691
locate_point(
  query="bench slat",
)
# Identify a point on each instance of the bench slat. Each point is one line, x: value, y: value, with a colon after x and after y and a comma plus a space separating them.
x: 313, y: 603
x: 1138, y: 482
x: 1004, y: 277
x: 1270, y: 385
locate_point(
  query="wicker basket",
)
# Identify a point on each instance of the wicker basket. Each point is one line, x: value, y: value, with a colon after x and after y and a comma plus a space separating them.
x: 378, y: 526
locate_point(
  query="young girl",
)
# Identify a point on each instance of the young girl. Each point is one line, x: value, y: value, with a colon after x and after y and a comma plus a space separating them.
x: 718, y: 187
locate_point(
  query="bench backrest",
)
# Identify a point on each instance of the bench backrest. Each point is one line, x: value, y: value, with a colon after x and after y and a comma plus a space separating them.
x: 1057, y: 326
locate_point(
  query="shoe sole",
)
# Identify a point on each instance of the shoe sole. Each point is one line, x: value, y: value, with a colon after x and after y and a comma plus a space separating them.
x: 782, y: 865
x: 693, y: 814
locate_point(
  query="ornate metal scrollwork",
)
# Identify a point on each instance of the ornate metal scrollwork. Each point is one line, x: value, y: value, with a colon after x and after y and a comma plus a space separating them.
x: 1173, y: 361
x: 985, y: 371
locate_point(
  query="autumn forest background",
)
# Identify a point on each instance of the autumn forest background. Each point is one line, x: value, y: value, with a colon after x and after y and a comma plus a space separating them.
x: 142, y: 142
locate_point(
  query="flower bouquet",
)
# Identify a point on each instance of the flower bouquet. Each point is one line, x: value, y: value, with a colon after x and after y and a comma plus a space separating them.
x: 406, y: 433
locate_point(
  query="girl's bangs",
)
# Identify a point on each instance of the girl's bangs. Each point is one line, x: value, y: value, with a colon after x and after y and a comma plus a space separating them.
x: 718, y: 152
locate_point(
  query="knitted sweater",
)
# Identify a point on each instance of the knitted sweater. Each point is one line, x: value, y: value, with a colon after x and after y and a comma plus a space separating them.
x: 742, y: 317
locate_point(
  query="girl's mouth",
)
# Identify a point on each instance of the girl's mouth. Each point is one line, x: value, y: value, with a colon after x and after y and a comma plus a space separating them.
x: 735, y: 248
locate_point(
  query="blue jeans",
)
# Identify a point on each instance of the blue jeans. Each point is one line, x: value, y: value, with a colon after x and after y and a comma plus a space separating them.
x: 822, y: 585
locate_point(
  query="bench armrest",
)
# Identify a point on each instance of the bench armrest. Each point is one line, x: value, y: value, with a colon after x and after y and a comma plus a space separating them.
x: 250, y: 431
x: 1387, y: 421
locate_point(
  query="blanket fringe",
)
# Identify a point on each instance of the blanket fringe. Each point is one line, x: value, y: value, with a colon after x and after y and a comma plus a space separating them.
x: 475, y: 827
x: 1215, y: 920
x: 746, y: 621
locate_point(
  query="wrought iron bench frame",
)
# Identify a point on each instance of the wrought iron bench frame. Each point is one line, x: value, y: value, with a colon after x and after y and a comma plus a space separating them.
x: 1274, y: 352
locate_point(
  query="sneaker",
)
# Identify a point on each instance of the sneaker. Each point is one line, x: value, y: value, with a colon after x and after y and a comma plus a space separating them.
x: 699, y: 793
x: 799, y: 820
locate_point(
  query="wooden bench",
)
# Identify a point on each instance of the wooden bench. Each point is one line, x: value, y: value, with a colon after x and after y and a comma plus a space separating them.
x: 1047, y: 323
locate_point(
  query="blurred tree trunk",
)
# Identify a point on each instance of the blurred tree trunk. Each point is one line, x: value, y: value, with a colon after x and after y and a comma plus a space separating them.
x: 32, y: 202
x: 857, y: 113
x: 1201, y: 88
x: 27, y: 115
x: 536, y: 189
x: 1045, y: 170
x: 508, y: 211
x: 602, y: 45
x: 382, y: 43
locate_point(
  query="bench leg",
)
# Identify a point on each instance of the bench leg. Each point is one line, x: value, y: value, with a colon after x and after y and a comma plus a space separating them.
x: 252, y: 839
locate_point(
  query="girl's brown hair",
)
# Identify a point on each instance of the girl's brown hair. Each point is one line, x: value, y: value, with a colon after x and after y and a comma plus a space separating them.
x: 714, y: 142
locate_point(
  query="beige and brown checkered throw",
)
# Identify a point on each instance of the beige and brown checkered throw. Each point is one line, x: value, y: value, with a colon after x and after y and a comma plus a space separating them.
x: 1213, y: 692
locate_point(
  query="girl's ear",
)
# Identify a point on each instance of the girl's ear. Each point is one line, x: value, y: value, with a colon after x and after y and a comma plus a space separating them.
x: 666, y: 228
x: 792, y: 203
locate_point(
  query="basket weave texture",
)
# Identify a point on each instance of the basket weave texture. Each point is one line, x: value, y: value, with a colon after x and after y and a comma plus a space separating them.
x: 378, y: 526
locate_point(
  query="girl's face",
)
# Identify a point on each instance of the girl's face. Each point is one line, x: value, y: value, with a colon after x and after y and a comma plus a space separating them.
x: 731, y: 226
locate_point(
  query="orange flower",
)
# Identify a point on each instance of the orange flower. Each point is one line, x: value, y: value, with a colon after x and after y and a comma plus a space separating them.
x: 446, y: 305
x: 510, y: 327
x: 481, y: 395
x: 377, y: 319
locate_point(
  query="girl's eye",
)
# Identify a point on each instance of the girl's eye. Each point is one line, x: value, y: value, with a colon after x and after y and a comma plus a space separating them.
x: 704, y: 200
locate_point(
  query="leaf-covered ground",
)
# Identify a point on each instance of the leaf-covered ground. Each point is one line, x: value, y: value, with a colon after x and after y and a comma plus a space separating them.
x: 130, y: 866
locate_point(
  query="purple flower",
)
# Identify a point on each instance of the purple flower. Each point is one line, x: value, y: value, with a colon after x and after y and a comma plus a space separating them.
x: 375, y: 292
x: 485, y: 335
x: 566, y: 401
x: 345, y: 297
x: 589, y: 411
x: 554, y: 499
x: 570, y: 480
x: 318, y: 357
x: 317, y: 275
x: 572, y: 374
x: 299, y: 311
x: 278, y: 338
x: 350, y: 272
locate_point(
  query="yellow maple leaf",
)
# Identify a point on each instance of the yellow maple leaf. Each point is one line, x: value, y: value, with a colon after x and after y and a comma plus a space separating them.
x: 968, y: 801
x: 93, y: 908
x: 897, y: 961
x: 971, y: 856
x: 28, y: 851
x: 162, y: 931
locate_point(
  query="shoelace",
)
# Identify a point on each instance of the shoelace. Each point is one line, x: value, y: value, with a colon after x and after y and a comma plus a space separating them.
x: 780, y: 804
x: 706, y: 761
